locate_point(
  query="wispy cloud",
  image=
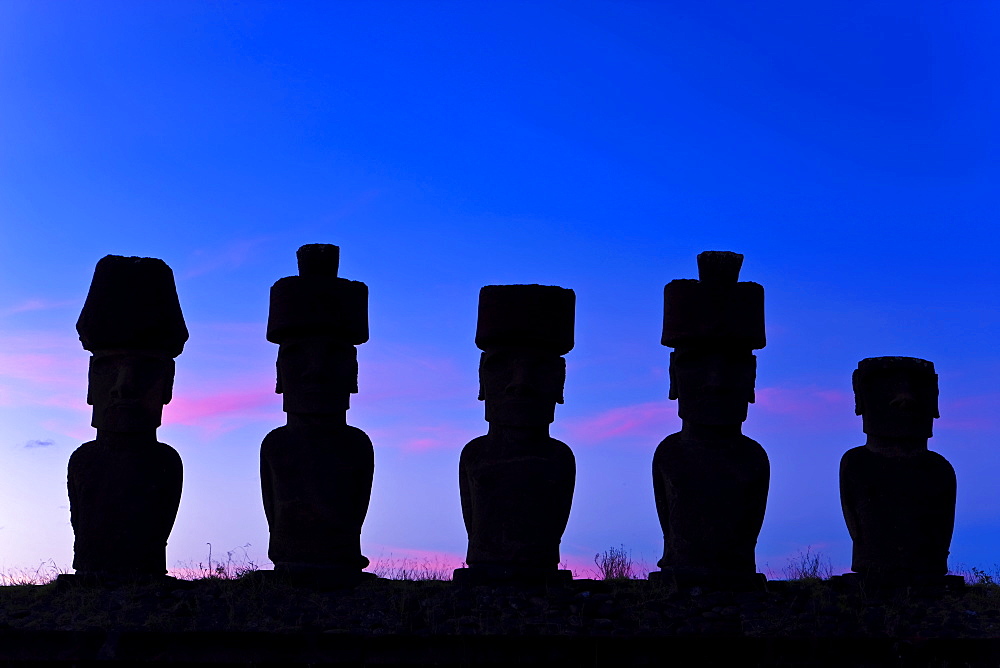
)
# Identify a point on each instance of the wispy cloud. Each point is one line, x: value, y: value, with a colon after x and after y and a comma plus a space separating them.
x: 651, y: 421
x: 805, y: 402
x: 39, y: 369
x: 972, y: 413
x: 38, y: 304
x: 421, y: 438
x: 40, y: 443
x: 648, y: 421
x: 230, y: 256
x: 220, y: 411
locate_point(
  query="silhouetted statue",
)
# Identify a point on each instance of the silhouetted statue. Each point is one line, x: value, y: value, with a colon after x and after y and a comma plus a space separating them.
x: 316, y: 472
x: 516, y: 481
x: 898, y: 497
x: 709, y: 480
x: 124, y: 487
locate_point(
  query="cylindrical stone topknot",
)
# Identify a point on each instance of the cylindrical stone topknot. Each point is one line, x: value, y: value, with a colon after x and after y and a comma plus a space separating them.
x: 318, y: 260
x: 719, y: 266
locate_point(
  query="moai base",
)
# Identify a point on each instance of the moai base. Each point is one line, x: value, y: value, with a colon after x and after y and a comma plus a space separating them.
x: 316, y: 471
x: 898, y: 497
x: 125, y: 486
x: 516, y: 481
x: 710, y: 481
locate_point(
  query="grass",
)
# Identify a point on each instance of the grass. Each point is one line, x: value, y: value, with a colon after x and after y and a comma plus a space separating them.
x: 615, y: 563
x: 416, y: 599
x: 809, y: 566
x: 413, y: 569
x: 46, y: 572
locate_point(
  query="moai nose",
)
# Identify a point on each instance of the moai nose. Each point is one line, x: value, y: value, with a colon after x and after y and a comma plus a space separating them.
x: 123, y: 384
x: 903, y: 400
x: 520, y: 383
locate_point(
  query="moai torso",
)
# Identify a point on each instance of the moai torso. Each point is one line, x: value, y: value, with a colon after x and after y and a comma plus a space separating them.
x: 898, y: 497
x: 123, y: 501
x: 710, y: 482
x: 516, y: 482
x: 710, y: 498
x: 316, y: 472
x: 516, y: 499
x: 316, y: 485
x: 125, y: 486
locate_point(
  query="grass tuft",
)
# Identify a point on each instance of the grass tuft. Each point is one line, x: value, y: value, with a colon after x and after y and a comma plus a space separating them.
x: 808, y: 565
x: 412, y: 569
x: 615, y: 563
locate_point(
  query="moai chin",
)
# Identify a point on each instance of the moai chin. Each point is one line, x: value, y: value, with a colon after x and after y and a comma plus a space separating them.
x: 125, y: 486
x: 898, y: 497
x: 316, y: 471
x: 710, y: 481
x: 516, y: 482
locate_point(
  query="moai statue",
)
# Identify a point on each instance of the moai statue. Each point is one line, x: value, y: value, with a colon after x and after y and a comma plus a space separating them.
x: 316, y: 471
x: 709, y: 480
x: 898, y: 497
x: 125, y: 486
x: 516, y: 481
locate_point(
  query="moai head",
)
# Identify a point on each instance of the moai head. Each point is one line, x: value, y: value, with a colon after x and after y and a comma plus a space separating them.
x: 714, y: 324
x: 317, y: 319
x: 896, y: 397
x: 132, y: 323
x: 523, y: 331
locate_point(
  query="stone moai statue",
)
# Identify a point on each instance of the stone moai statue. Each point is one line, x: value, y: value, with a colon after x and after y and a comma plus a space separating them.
x: 710, y: 481
x: 316, y: 471
x: 898, y: 497
x: 516, y: 481
x: 125, y: 487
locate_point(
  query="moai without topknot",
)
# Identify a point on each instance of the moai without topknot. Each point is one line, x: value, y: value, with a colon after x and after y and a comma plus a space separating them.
x: 125, y: 487
x: 898, y: 497
x: 710, y: 481
x: 516, y: 481
x: 316, y: 471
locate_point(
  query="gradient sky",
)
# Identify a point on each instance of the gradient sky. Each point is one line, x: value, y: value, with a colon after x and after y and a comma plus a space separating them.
x: 848, y: 150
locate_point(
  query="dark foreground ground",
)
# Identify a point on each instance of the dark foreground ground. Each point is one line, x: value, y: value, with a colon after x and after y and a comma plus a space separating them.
x: 389, y: 622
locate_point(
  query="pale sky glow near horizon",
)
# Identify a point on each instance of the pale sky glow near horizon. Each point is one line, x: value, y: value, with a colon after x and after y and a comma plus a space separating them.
x: 849, y: 151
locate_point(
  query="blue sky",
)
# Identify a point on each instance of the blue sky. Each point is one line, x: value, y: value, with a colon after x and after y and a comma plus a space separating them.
x: 848, y: 151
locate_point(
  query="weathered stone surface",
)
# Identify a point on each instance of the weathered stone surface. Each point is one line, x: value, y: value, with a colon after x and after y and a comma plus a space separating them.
x: 316, y: 482
x: 132, y: 304
x: 123, y: 499
x: 316, y: 472
x: 516, y: 482
x: 897, y: 496
x: 710, y: 482
x: 125, y: 486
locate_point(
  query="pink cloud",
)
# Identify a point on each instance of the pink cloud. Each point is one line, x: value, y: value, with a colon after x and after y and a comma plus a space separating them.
x: 805, y: 402
x: 226, y: 409
x: 646, y: 421
x: 37, y: 304
x: 415, y: 438
x: 39, y: 369
x: 230, y: 256
x: 405, y: 374
x: 973, y: 413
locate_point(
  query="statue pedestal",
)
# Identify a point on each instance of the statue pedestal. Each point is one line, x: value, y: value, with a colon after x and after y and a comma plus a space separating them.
x: 65, y: 581
x: 499, y: 574
x: 870, y: 583
x: 317, y: 578
x: 687, y: 580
